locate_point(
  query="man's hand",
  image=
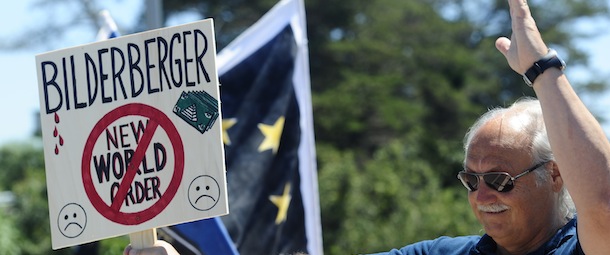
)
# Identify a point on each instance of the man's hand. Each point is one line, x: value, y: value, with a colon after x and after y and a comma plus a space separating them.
x: 525, y: 46
x: 160, y: 248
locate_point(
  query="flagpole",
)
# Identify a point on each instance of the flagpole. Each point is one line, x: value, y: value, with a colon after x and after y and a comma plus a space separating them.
x: 154, y: 14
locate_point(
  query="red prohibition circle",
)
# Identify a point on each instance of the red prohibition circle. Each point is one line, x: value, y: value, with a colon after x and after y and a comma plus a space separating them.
x: 156, y: 119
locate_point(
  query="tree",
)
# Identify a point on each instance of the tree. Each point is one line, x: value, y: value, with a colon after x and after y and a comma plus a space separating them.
x: 23, y: 174
x: 395, y: 86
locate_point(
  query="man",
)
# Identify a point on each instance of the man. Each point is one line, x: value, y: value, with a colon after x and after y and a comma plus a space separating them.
x: 517, y: 171
x: 516, y: 183
x: 514, y: 187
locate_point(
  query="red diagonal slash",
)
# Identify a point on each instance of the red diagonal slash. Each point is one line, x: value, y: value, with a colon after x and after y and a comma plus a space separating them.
x: 132, y: 168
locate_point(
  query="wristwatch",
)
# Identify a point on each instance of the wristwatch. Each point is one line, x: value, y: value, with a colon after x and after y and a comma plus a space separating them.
x: 551, y: 59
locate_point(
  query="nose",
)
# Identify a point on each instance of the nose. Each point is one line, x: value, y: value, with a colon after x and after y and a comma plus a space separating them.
x: 484, y: 194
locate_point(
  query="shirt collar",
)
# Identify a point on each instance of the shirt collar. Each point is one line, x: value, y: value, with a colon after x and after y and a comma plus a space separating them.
x: 488, y: 246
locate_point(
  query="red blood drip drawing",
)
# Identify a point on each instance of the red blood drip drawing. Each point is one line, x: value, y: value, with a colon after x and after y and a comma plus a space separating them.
x: 56, y: 134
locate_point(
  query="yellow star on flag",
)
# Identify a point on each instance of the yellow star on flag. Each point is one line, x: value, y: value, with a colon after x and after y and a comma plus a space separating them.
x: 272, y: 135
x: 282, y: 202
x: 226, y: 124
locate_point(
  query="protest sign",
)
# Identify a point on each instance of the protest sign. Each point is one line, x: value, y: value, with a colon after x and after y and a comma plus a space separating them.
x: 131, y: 133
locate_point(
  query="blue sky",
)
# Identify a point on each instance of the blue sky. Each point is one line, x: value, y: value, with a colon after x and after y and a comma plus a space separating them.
x: 19, y: 97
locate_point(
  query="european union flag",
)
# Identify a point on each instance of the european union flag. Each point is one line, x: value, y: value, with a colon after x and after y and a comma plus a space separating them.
x: 269, y: 144
x: 262, y: 151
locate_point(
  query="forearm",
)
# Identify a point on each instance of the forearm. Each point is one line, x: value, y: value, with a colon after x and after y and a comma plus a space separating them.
x: 582, y: 152
x: 579, y: 144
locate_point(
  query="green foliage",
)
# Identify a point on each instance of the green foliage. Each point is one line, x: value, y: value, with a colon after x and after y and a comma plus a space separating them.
x: 22, y: 173
x: 395, y: 85
x: 113, y: 246
x: 394, y: 199
x: 24, y: 224
x: 9, y: 240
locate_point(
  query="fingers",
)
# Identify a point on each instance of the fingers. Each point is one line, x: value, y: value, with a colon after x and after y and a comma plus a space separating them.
x: 525, y: 30
x: 127, y: 250
x: 519, y: 8
x: 169, y: 249
x: 503, y: 44
x: 160, y: 248
x: 525, y: 45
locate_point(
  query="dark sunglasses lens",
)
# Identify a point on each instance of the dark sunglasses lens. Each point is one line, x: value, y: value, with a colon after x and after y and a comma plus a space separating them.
x: 470, y: 181
x: 499, y: 181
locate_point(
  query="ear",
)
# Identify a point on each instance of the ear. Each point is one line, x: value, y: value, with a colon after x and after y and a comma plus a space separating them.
x: 556, y: 180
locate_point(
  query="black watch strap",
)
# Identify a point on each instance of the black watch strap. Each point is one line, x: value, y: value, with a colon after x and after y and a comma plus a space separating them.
x: 549, y: 60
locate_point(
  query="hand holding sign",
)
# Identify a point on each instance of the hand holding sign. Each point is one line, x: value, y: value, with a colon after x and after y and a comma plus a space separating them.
x: 159, y: 248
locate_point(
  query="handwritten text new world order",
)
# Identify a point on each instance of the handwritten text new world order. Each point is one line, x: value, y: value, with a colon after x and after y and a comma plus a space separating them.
x: 127, y: 71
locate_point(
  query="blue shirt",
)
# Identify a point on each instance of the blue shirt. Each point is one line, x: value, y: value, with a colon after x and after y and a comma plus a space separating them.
x: 564, y: 242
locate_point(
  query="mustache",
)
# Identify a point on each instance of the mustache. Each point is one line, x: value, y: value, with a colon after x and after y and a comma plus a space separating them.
x: 493, y: 208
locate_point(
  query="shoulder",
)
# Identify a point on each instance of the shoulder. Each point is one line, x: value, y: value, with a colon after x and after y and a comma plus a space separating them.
x: 442, y: 245
x: 566, y: 240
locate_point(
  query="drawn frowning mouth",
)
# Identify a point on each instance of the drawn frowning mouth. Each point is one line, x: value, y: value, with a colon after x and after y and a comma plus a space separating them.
x: 75, y: 223
x: 197, y: 200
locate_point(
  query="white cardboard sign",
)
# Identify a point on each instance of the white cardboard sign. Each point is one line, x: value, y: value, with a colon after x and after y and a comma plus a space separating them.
x: 131, y: 133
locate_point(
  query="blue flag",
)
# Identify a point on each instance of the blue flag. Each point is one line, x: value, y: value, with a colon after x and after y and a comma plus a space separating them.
x: 269, y: 144
x: 108, y: 28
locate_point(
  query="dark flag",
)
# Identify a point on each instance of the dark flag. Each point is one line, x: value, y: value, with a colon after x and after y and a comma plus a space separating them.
x: 269, y: 143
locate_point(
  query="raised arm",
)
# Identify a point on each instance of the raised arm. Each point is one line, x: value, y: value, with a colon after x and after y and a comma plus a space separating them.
x: 579, y: 144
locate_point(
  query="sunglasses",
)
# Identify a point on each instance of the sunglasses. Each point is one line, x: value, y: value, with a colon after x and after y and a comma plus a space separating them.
x: 499, y: 181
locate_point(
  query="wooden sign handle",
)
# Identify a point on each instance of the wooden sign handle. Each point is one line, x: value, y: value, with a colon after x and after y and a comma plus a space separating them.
x: 143, y: 239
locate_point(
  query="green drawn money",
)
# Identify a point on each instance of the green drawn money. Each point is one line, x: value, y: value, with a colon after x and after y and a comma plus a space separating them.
x: 198, y: 108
